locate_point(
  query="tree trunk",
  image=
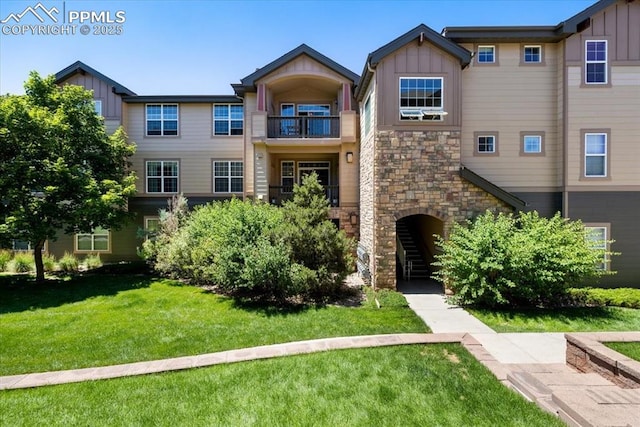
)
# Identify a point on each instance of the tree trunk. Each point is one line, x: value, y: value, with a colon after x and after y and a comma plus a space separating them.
x: 37, y: 256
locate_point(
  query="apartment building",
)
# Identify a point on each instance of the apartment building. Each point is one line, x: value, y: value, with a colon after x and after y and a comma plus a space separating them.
x: 437, y: 129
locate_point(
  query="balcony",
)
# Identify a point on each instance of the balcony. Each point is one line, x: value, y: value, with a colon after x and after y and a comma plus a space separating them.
x: 303, y: 127
x: 280, y: 194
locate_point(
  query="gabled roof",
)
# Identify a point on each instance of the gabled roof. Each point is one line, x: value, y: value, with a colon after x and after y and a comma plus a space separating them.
x: 248, y: 84
x: 81, y: 67
x: 421, y: 32
x: 491, y: 188
x: 551, y: 33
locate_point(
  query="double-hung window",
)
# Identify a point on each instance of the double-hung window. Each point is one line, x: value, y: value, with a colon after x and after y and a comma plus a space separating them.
x: 162, y: 119
x: 595, y: 155
x: 98, y: 241
x: 228, y: 119
x: 595, y: 62
x: 162, y: 176
x: 421, y: 98
x: 228, y: 176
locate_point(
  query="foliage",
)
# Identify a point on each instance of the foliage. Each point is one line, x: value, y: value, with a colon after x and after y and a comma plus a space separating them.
x: 59, y: 170
x: 159, y: 241
x: 92, y: 261
x: 620, y: 297
x: 386, y: 298
x: 49, y: 262
x: 5, y: 257
x: 22, y: 262
x: 69, y: 263
x: 526, y: 260
x: 629, y: 349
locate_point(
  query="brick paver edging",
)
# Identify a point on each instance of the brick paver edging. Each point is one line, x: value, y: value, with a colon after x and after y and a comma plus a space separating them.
x: 586, y: 353
x: 230, y: 356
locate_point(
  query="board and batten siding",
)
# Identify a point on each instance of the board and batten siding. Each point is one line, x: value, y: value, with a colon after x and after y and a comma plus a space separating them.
x: 615, y: 108
x: 195, y: 147
x: 111, y: 103
x: 510, y: 98
x: 415, y: 60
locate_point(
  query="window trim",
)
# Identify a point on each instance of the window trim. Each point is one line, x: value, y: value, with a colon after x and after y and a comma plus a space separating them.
x: 228, y: 120
x: 477, y: 152
x: 29, y: 247
x: 93, y: 249
x: 146, y: 176
x: 146, y: 226
x: 423, y: 111
x: 605, y: 62
x: 606, y: 261
x: 282, y: 177
x: 96, y: 103
x: 539, y: 134
x: 583, y: 155
x: 229, y: 176
x: 523, y: 48
x: 476, y: 55
x: 162, y: 120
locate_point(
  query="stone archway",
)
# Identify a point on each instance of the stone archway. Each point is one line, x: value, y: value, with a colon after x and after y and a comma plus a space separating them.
x: 416, y: 246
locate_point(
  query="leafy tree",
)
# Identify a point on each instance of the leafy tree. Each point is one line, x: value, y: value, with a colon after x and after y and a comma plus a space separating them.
x: 523, y: 260
x: 59, y: 169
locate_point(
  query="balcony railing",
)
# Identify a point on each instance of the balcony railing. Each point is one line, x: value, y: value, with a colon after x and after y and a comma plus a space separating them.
x: 303, y: 127
x: 280, y: 194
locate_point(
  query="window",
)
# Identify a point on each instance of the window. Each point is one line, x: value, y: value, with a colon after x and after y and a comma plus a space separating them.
x: 597, y: 237
x: 532, y: 144
x: 367, y: 116
x: 421, y: 98
x: 97, y: 106
x: 486, y: 54
x: 596, y: 61
x: 23, y: 245
x: 287, y: 178
x: 162, y: 119
x: 98, y: 241
x: 151, y: 225
x: 228, y: 119
x: 227, y: 177
x: 532, y: 54
x: 595, y: 158
x: 486, y: 144
x: 162, y: 176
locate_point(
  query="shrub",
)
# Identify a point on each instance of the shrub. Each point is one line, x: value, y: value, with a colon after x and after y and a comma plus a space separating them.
x: 5, y: 257
x: 92, y: 261
x: 48, y: 262
x: 22, y: 263
x: 526, y: 260
x: 620, y: 297
x: 68, y: 263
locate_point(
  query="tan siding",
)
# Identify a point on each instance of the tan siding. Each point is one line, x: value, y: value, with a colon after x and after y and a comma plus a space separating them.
x: 614, y: 108
x: 510, y: 98
x: 301, y: 66
x: 111, y: 103
x: 414, y: 60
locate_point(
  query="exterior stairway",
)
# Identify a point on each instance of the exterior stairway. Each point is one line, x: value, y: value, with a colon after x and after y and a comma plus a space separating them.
x: 419, y: 268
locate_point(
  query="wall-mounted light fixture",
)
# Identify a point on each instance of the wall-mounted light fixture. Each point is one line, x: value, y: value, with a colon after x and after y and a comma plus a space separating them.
x: 353, y: 218
x: 349, y: 157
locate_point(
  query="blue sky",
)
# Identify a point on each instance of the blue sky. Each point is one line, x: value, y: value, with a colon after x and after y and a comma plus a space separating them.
x: 200, y: 47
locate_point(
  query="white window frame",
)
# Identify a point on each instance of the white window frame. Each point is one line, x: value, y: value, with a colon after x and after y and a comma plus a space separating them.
x: 524, y: 53
x: 229, y: 176
x: 602, y: 155
x: 493, y: 144
x: 599, y: 244
x: 162, y: 120
x: 524, y: 144
x: 493, y: 54
x: 93, y: 241
x: 147, y: 227
x: 594, y: 61
x: 421, y: 113
x: 97, y: 107
x: 283, y: 177
x: 29, y: 246
x: 162, y: 176
x: 229, y: 120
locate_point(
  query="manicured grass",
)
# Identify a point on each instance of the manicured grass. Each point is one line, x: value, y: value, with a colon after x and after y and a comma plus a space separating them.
x: 583, y: 319
x: 104, y: 320
x: 431, y: 385
x: 629, y: 349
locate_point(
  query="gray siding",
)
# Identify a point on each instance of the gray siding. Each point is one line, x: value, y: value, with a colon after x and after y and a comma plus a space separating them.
x: 547, y: 204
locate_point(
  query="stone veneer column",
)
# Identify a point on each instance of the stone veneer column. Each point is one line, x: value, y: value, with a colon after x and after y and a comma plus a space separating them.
x: 417, y: 173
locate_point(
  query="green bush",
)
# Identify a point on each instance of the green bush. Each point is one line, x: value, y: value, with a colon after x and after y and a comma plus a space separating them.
x: 22, y: 262
x: 48, y: 262
x: 526, y: 260
x: 92, y: 261
x: 68, y: 263
x: 5, y: 257
x: 620, y: 297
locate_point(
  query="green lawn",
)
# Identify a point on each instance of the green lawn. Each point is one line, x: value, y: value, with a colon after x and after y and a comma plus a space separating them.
x: 629, y: 349
x: 103, y: 320
x: 587, y: 319
x: 392, y: 386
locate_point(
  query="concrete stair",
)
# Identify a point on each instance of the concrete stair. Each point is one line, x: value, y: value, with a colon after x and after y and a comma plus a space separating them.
x: 420, y: 270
